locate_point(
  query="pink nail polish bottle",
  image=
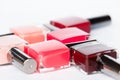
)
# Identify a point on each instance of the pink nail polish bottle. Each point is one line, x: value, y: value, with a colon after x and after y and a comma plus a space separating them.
x: 31, y: 34
x: 7, y: 41
x: 50, y: 54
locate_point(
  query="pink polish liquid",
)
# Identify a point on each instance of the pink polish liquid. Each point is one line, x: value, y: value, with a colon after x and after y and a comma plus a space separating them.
x: 31, y: 34
x: 49, y: 54
x: 6, y: 43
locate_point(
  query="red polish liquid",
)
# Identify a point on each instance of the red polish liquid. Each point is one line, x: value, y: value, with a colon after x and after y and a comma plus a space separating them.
x: 86, y: 55
x: 49, y: 54
x: 67, y: 35
x: 83, y: 24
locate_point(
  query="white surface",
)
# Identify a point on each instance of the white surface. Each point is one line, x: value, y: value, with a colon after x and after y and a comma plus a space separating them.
x: 35, y: 12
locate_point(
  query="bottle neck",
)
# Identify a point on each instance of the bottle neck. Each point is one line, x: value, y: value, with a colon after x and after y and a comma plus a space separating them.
x: 51, y: 27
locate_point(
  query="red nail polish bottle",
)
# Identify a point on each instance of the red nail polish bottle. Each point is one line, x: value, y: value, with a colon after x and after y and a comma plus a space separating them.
x: 92, y: 56
x: 83, y: 24
x: 66, y: 35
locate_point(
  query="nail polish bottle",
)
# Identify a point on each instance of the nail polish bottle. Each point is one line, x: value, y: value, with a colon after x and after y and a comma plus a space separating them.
x: 92, y: 56
x: 49, y: 55
x: 7, y: 41
x: 31, y: 34
x: 22, y: 61
x: 83, y: 24
x: 66, y: 35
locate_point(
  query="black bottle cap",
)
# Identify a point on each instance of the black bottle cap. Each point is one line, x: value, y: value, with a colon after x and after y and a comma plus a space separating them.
x: 100, y: 19
x: 80, y: 42
x: 110, y: 63
x: 6, y: 34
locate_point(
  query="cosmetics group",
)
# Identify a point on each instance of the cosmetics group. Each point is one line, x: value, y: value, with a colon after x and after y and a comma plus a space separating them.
x: 57, y: 45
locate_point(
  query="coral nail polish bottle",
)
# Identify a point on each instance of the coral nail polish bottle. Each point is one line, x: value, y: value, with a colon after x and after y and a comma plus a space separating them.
x: 50, y: 54
x: 7, y: 41
x: 66, y: 35
x: 31, y: 34
x: 83, y: 24
x: 92, y: 56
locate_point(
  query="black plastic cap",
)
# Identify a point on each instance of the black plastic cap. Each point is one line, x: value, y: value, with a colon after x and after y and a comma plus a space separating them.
x: 100, y: 19
x: 75, y: 43
x: 111, y: 63
x: 7, y: 34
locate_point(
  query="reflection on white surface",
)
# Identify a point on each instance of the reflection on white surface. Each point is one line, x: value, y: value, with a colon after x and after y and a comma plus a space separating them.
x: 111, y: 74
x: 66, y: 74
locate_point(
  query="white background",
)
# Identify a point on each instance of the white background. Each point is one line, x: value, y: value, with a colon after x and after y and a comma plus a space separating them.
x: 35, y: 12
